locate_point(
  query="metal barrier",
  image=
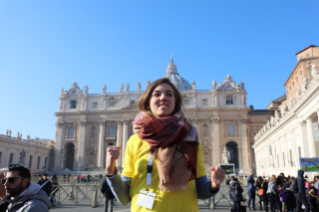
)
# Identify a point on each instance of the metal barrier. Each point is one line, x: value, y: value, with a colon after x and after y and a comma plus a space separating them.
x: 221, y: 199
x: 89, y: 194
x: 77, y: 193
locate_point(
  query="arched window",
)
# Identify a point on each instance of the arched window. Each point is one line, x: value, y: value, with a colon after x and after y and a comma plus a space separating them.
x: 71, y: 132
x: 93, y: 132
x: 231, y: 129
x: 112, y: 131
x: 204, y: 129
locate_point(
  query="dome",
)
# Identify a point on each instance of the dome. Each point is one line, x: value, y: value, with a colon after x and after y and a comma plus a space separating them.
x: 173, y: 76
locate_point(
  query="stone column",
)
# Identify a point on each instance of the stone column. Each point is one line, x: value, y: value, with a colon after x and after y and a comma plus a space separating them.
x: 124, y: 141
x: 100, y: 157
x: 85, y: 101
x: 6, y: 158
x: 58, y: 147
x: 81, y: 144
x: 215, y: 136
x: 239, y: 150
x: 61, y: 104
x: 118, y: 140
x: 311, y: 139
x: 244, y: 144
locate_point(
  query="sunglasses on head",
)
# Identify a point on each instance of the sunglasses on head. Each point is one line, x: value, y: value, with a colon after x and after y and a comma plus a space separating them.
x: 10, y: 179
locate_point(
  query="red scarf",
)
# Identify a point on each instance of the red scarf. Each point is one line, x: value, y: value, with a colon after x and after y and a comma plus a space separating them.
x: 177, y: 144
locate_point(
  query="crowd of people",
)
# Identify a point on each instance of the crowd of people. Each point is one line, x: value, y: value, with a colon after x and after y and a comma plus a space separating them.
x: 283, y: 194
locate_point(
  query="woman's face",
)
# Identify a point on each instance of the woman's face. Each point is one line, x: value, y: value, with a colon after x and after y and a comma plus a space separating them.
x: 162, y: 102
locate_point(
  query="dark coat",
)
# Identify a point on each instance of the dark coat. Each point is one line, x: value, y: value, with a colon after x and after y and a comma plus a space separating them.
x: 54, y: 183
x: 301, y: 182
x: 106, y: 191
x: 4, y: 204
x: 236, y: 191
x: 250, y: 183
x: 47, y: 187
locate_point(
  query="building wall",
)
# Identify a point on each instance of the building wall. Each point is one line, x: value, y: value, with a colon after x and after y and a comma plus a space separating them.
x: 32, y: 147
x: 289, y: 134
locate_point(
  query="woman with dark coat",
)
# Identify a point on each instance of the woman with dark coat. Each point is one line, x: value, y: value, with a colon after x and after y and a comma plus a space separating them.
x: 262, y: 184
x: 236, y: 194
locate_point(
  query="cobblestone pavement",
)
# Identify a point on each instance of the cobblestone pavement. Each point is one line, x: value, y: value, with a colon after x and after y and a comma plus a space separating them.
x: 86, y: 208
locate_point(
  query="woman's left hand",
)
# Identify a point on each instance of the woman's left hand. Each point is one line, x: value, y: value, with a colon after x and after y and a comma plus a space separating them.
x: 217, y: 177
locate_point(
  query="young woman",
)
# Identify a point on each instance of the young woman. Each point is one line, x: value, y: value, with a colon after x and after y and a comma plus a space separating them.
x: 262, y: 184
x: 163, y: 169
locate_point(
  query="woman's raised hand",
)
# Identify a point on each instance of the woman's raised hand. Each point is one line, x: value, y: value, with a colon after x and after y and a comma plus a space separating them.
x: 113, y: 153
x: 217, y: 176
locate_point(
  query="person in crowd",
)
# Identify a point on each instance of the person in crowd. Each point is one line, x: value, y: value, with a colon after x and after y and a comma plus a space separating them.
x: 272, y: 192
x: 290, y: 198
x: 4, y: 201
x: 109, y: 197
x: 164, y: 147
x: 100, y: 177
x: 236, y: 194
x: 88, y: 178
x: 282, y: 199
x: 64, y: 177
x: 262, y: 184
x: 251, y: 192
x: 69, y: 175
x: 311, y: 195
x: 279, y: 182
x: 55, y: 188
x: 25, y: 196
x: 80, y: 178
x: 316, y: 179
x: 45, y: 184
x: 308, y: 197
x: 301, y: 195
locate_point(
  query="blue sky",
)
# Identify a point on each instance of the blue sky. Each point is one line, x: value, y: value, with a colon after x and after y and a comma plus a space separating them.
x: 46, y: 45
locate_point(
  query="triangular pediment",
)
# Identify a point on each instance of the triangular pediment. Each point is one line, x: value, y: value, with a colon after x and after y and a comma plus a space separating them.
x: 229, y: 85
x: 74, y: 90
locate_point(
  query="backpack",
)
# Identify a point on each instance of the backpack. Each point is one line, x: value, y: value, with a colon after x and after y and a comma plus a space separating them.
x: 294, y: 186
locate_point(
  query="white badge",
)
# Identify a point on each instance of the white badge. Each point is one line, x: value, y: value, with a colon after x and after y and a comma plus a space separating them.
x: 146, y: 199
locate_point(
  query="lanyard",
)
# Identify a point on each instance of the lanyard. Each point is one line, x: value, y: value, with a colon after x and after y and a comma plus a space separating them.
x: 149, y: 169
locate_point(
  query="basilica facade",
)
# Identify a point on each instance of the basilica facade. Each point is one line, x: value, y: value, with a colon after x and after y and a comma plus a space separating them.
x: 88, y: 123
